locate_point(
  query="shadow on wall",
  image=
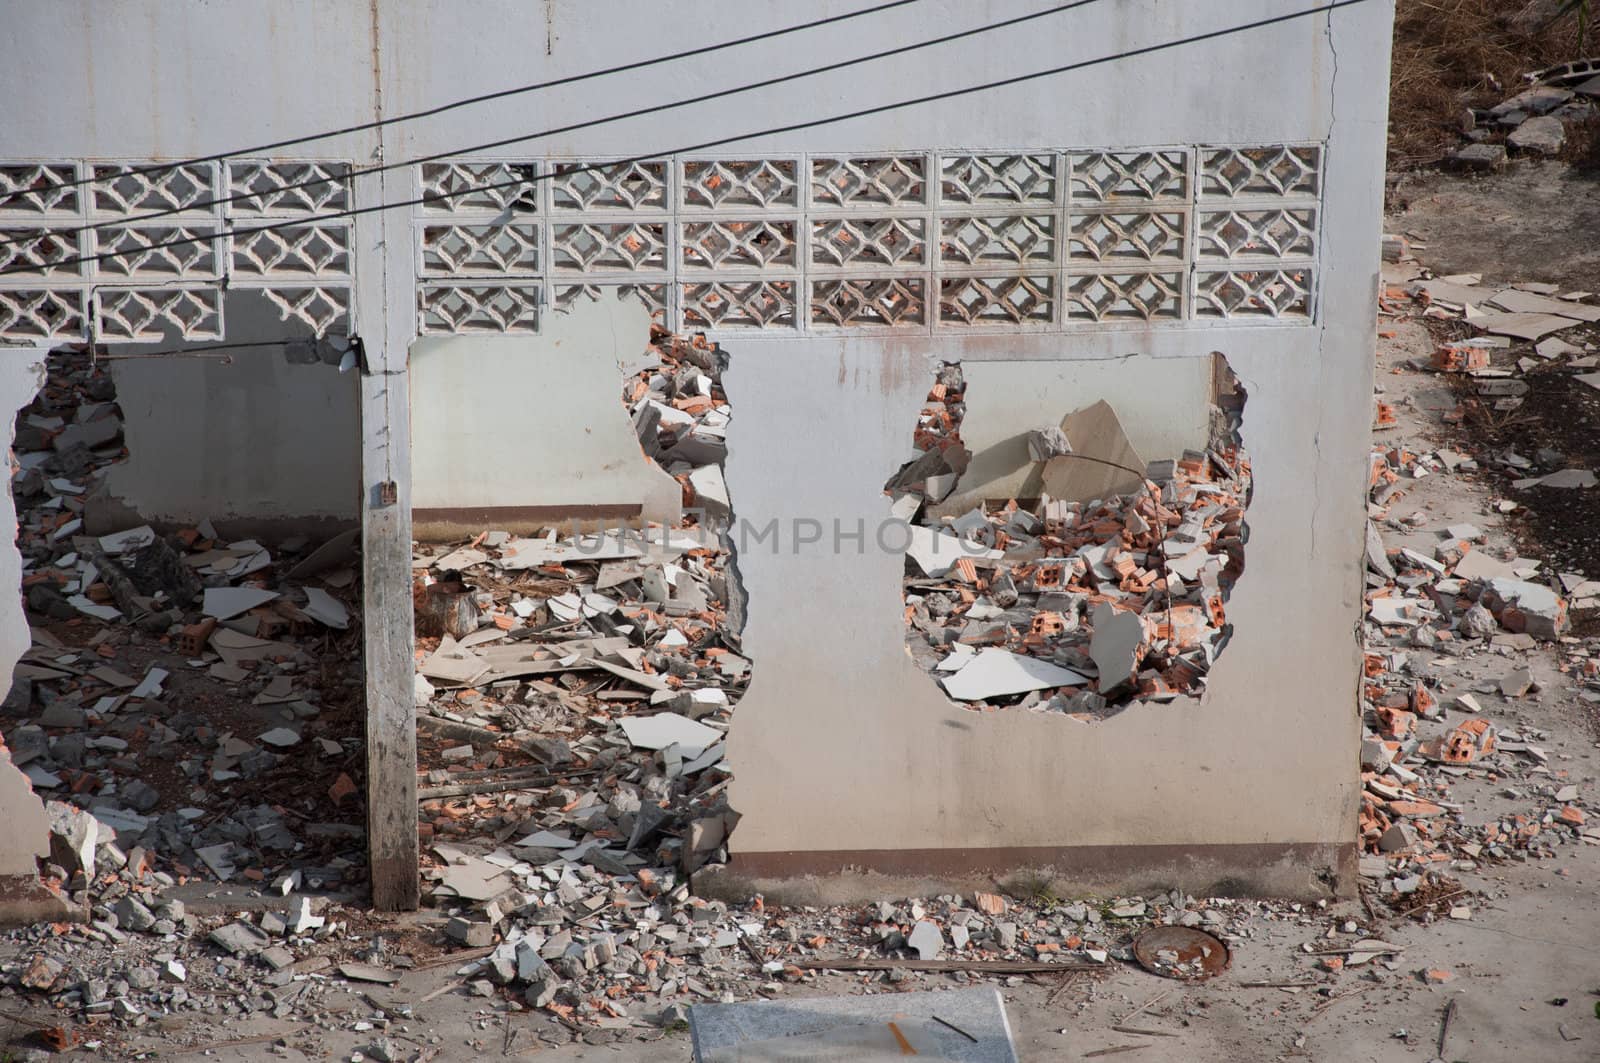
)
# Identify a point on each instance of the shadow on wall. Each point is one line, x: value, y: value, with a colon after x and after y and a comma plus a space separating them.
x: 1066, y: 568
x: 261, y: 437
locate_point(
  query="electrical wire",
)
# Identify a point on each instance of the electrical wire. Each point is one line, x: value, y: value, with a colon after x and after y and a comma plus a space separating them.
x: 211, y: 350
x: 588, y: 123
x: 443, y: 108
x: 703, y: 145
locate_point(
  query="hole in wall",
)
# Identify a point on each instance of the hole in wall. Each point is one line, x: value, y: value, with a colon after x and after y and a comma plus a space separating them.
x: 593, y: 665
x: 190, y: 705
x: 1099, y: 578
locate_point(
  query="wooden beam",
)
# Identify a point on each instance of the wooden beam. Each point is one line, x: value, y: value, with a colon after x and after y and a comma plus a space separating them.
x: 387, y: 625
x: 386, y: 324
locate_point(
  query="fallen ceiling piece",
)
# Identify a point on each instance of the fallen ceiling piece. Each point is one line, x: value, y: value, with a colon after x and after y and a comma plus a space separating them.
x: 325, y: 608
x: 224, y: 603
x: 1555, y: 347
x: 1568, y: 478
x: 337, y: 551
x: 474, y: 879
x: 1450, y: 291
x: 936, y: 552
x: 124, y: 541
x: 531, y: 553
x: 995, y: 673
x: 1095, y: 432
x: 669, y: 728
x: 1114, y: 645
x: 1522, y: 326
x: 455, y: 560
x: 451, y: 663
x: 235, y: 648
x: 1530, y: 303
x: 1475, y: 564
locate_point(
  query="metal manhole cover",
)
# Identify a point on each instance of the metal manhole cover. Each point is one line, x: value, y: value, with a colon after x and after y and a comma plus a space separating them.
x: 1181, y: 952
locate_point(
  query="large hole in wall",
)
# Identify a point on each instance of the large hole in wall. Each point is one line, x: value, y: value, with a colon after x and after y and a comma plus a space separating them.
x: 577, y: 678
x: 1101, y: 579
x: 191, y: 702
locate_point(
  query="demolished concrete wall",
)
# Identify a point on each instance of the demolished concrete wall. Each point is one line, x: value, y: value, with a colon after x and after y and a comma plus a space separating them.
x: 27, y: 830
x: 1143, y: 206
x: 521, y: 432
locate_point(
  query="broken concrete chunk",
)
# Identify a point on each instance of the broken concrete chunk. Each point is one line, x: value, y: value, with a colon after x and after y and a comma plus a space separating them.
x: 669, y: 728
x: 280, y: 738
x: 1116, y: 645
x: 1543, y: 135
x: 74, y: 834
x: 1516, y: 683
x: 1524, y: 606
x: 325, y: 608
x: 1377, y: 559
x: 1480, y: 157
x: 240, y: 939
x: 927, y: 939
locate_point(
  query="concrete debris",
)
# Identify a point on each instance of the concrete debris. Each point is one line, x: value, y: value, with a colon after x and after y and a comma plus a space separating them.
x: 1109, y: 588
x: 1542, y: 135
x: 1434, y: 722
x: 1480, y: 157
x: 154, y: 659
x: 1532, y: 122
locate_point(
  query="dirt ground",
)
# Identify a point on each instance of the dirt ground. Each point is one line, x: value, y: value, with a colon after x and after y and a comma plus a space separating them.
x: 1537, y: 221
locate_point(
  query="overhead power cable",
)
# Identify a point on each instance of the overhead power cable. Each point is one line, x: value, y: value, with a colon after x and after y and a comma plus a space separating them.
x: 639, y: 112
x: 793, y: 127
x: 443, y: 108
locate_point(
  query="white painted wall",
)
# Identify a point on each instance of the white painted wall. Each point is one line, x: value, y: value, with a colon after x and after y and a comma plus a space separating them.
x: 838, y: 723
x: 506, y: 422
x: 1163, y: 405
x: 27, y: 831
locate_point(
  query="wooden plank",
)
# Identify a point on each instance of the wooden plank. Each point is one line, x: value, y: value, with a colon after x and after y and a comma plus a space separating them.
x: 851, y: 963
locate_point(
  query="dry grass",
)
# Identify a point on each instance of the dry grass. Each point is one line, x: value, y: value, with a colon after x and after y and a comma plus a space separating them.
x: 1453, y: 54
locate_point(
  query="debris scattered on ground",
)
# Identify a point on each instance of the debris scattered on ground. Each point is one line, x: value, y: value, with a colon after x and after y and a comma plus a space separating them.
x: 1451, y: 626
x: 186, y: 701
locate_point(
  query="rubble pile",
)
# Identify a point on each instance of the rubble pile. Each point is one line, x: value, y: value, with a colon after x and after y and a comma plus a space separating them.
x: 573, y: 695
x: 189, y: 709
x: 681, y: 416
x: 1532, y: 121
x: 1450, y: 629
x: 143, y: 959
x: 1108, y: 587
x: 181, y: 689
x: 646, y: 958
x: 1417, y: 742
